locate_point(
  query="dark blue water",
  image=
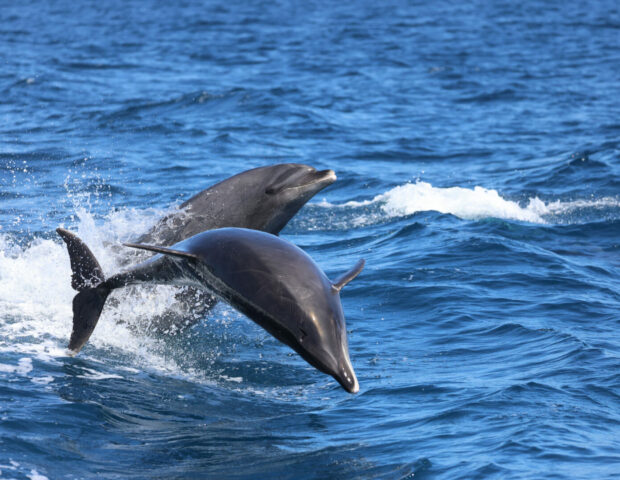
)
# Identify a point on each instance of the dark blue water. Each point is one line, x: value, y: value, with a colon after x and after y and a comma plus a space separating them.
x: 477, y: 147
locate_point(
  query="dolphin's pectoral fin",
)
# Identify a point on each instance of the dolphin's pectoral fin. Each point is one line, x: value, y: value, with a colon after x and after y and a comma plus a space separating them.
x: 162, y: 250
x: 345, y: 278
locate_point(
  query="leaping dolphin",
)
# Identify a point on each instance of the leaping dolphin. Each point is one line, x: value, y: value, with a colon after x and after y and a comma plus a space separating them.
x: 263, y: 198
x: 271, y: 281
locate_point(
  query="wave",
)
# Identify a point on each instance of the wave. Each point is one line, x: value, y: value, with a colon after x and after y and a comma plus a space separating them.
x: 469, y: 204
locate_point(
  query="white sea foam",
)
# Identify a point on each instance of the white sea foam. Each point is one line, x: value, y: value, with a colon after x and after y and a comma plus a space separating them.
x: 34, y: 475
x: 95, y: 375
x: 36, y: 295
x: 23, y: 367
x: 466, y: 203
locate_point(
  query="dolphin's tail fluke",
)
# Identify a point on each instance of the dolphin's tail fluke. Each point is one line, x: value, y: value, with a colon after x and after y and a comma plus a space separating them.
x: 88, y: 279
x: 87, y: 307
x: 86, y: 271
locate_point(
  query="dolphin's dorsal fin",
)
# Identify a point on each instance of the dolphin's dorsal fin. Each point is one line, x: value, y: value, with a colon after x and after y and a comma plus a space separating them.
x: 345, y: 278
x: 162, y: 250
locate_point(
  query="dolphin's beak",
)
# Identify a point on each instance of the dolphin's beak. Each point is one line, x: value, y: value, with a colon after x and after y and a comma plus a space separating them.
x: 346, y: 376
x: 309, y: 181
x: 317, y: 180
x: 325, y: 178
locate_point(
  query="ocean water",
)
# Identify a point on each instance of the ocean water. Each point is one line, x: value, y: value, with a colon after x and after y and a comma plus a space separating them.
x: 477, y: 148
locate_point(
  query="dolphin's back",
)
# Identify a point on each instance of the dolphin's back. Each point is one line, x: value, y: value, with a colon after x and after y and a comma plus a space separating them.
x: 270, y: 274
x: 259, y: 265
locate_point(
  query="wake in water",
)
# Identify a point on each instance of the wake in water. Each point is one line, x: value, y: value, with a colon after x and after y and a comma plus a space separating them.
x: 469, y: 204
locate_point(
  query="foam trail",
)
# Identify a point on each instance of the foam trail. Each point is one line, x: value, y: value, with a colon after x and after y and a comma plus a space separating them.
x: 36, y: 294
x: 465, y: 203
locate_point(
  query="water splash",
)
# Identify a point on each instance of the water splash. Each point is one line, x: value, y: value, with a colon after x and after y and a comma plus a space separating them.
x: 36, y: 294
x: 465, y: 203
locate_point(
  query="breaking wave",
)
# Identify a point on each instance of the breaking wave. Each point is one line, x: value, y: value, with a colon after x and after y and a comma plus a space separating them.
x: 469, y: 204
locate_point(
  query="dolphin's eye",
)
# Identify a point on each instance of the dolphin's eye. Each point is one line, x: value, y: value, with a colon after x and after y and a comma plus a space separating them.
x: 270, y: 191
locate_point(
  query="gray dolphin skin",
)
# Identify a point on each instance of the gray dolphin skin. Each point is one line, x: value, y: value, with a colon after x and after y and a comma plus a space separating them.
x: 271, y: 281
x: 263, y: 198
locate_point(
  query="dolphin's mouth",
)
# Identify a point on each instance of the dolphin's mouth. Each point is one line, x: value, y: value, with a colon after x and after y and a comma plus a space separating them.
x: 349, y: 384
x: 346, y: 377
x: 320, y: 178
x: 326, y: 177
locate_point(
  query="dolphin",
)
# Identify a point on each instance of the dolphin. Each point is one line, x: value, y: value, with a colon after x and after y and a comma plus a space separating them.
x: 264, y: 198
x: 271, y: 281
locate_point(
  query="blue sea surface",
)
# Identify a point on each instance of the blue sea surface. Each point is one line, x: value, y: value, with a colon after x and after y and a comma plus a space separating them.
x: 477, y: 148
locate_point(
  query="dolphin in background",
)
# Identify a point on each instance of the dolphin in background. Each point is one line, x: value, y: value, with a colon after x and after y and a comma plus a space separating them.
x: 271, y: 281
x: 264, y: 198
